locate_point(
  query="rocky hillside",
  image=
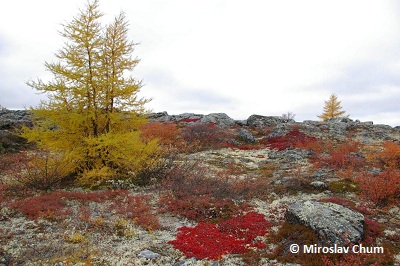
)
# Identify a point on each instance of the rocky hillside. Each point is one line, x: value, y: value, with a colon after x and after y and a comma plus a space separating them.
x: 229, y: 192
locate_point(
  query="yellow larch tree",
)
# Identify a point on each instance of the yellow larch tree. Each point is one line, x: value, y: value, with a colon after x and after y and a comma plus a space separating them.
x: 93, y: 113
x: 332, y: 108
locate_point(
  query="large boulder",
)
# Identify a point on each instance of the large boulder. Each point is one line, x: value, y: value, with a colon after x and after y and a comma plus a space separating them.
x: 246, y: 136
x: 159, y: 117
x: 262, y: 121
x: 333, y: 223
x: 220, y: 119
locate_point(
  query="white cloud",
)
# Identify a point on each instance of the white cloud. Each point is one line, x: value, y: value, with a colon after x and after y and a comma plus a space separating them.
x: 266, y: 57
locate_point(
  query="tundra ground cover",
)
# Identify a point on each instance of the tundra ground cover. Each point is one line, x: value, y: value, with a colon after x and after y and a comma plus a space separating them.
x: 203, y: 208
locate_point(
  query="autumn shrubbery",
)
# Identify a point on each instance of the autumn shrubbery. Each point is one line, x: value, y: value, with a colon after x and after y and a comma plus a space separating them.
x: 137, y: 208
x: 35, y: 169
x: 293, y: 234
x: 190, y: 192
x: 201, y: 208
x: 167, y: 134
x: 341, y: 157
x: 293, y: 139
x: 53, y: 205
x: 382, y: 189
x: 236, y: 235
x: 389, y: 156
x: 199, y: 137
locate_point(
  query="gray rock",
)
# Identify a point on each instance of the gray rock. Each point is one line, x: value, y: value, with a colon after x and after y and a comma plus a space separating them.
x: 148, y: 254
x: 339, y: 120
x: 187, y: 117
x: 322, y: 174
x: 187, y: 262
x: 193, y: 261
x: 246, y: 136
x: 319, y: 185
x: 375, y: 171
x: 262, y: 121
x: 333, y: 223
x: 279, y: 131
x: 241, y: 122
x: 220, y: 119
x: 369, y: 123
x: 289, y: 155
x: 10, y: 119
x: 157, y: 115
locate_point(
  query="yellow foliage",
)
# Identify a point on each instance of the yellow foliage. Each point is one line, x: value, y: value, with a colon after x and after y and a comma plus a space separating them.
x: 98, y: 222
x: 332, y: 108
x: 76, y: 238
x: 93, y: 114
x: 122, y: 228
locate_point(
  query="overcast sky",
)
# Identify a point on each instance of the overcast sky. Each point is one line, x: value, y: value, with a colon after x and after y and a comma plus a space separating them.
x: 238, y: 57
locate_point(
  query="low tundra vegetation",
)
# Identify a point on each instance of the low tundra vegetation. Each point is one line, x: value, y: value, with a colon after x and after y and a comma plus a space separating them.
x: 219, y: 205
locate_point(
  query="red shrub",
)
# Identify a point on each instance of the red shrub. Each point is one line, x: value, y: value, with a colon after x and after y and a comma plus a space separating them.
x: 382, y: 188
x: 138, y: 209
x: 203, y: 136
x: 390, y: 156
x: 201, y: 208
x: 49, y: 206
x: 246, y: 227
x: 39, y: 169
x: 167, y: 133
x: 12, y: 162
x: 372, y: 230
x: 293, y: 139
x: 211, y: 241
x: 189, y: 179
x: 3, y: 190
x: 205, y: 241
x: 53, y: 205
x: 362, y: 207
x: 343, y: 157
x: 97, y: 196
x: 340, y: 201
x: 189, y: 120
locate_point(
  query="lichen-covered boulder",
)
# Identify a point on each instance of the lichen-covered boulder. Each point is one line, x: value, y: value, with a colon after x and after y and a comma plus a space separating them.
x: 10, y: 119
x: 246, y: 136
x: 333, y: 223
x: 220, y: 119
x: 261, y: 121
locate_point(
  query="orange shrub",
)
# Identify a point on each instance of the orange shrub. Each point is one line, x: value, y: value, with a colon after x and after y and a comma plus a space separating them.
x: 199, y: 137
x: 342, y: 157
x: 167, y: 133
x: 381, y: 189
x: 390, y: 156
x: 320, y: 146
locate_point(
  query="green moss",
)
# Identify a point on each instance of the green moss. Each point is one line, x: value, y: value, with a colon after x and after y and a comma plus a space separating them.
x: 342, y: 186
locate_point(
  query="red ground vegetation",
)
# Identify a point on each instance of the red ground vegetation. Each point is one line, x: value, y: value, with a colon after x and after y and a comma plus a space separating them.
x: 236, y: 235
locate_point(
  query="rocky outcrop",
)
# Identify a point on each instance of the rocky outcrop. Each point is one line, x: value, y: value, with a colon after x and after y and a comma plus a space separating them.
x: 10, y: 119
x: 336, y: 128
x: 165, y: 117
x: 333, y: 223
x: 365, y: 132
x: 263, y: 121
x: 221, y: 119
